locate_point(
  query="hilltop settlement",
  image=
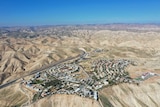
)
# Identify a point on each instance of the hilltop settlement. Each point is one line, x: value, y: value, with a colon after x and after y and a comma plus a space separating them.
x: 72, y: 78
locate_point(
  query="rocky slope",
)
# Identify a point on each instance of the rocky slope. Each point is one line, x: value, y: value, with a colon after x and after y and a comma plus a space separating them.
x: 18, y: 56
x: 128, y: 95
x: 12, y: 97
x: 22, y: 55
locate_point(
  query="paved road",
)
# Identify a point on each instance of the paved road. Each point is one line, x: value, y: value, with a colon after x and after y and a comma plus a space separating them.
x: 5, y: 85
x: 84, y: 71
x: 42, y: 69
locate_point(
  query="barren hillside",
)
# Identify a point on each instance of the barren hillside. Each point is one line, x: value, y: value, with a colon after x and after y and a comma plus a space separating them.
x: 128, y: 95
x: 66, y: 101
x: 19, y: 56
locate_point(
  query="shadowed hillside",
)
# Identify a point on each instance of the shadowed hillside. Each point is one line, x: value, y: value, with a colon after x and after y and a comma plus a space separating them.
x: 20, y: 55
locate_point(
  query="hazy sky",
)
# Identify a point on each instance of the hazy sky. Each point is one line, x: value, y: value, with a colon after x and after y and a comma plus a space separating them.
x: 49, y: 12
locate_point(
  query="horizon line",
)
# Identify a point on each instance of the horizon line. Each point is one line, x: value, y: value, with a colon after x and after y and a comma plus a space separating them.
x: 78, y: 24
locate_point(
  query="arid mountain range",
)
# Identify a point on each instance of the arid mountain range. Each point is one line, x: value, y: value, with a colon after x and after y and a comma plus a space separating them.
x: 24, y: 49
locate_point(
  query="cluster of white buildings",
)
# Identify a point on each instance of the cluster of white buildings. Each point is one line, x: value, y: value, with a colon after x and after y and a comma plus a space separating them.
x: 62, y: 79
x: 104, y: 72
x: 148, y: 75
x: 64, y: 68
x: 65, y: 73
x: 110, y: 71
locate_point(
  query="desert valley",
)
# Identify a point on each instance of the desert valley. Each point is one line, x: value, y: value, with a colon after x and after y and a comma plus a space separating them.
x: 110, y: 65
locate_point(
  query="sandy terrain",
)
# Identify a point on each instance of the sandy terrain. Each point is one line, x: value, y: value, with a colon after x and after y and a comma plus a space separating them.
x: 12, y: 96
x: 19, y: 56
x: 129, y: 95
x: 65, y: 101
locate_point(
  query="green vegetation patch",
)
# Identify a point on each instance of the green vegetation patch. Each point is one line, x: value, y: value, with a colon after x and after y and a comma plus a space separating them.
x: 55, y: 82
x: 36, y: 97
x: 37, y: 82
x: 139, y: 79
